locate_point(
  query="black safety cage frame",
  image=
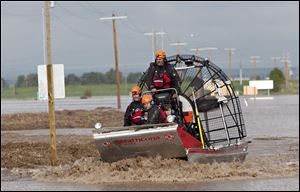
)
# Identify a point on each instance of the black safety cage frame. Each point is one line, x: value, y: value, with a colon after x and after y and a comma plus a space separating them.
x: 222, y: 122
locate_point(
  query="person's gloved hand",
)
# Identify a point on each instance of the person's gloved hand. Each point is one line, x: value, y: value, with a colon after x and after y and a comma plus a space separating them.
x: 154, y: 90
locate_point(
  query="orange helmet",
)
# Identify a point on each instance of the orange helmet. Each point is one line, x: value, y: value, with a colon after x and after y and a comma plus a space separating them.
x: 160, y: 54
x: 146, y: 98
x: 136, y: 90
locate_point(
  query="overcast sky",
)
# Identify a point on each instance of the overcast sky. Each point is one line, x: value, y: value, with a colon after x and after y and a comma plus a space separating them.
x: 83, y: 43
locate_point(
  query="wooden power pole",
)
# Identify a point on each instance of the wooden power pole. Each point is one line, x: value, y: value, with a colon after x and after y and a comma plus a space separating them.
x: 254, y: 61
x: 229, y: 60
x: 286, y: 70
x: 113, y: 18
x: 197, y: 51
x: 51, y: 106
x: 241, y: 73
x: 274, y: 59
x: 154, y: 40
x: 209, y: 49
x: 178, y: 44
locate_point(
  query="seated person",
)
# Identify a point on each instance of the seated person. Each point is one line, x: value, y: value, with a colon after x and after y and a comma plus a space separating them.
x: 169, y: 113
x: 154, y: 114
x: 134, y: 112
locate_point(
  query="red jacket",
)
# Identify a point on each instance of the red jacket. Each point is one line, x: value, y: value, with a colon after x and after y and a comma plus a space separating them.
x: 134, y: 114
x: 162, y: 77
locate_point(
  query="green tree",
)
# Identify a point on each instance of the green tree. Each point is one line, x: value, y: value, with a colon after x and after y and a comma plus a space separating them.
x: 4, y: 83
x: 111, y: 76
x: 72, y: 79
x: 31, y: 80
x: 278, y: 79
x: 134, y: 77
x: 21, y: 81
x: 92, y: 78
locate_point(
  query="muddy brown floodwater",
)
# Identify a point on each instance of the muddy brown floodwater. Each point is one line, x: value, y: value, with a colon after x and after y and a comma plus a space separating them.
x: 27, y: 156
x: 63, y: 119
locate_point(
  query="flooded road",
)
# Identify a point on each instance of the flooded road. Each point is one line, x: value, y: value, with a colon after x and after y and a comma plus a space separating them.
x: 269, y: 184
x: 16, y: 106
x: 271, y: 117
x: 272, y: 126
x: 276, y: 117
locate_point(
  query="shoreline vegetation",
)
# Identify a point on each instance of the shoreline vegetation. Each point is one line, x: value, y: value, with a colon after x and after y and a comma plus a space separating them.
x: 87, y: 91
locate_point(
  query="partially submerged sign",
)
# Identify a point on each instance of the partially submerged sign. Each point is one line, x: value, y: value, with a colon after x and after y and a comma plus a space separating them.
x: 58, y: 80
x: 261, y: 84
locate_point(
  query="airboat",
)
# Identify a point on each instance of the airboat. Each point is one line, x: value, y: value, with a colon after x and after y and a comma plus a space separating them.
x: 209, y: 124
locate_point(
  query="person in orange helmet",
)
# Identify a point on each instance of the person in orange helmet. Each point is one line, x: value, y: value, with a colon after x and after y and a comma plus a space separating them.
x: 154, y: 114
x: 161, y: 75
x: 134, y: 112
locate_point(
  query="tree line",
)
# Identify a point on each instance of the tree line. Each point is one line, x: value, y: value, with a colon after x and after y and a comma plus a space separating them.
x: 31, y: 80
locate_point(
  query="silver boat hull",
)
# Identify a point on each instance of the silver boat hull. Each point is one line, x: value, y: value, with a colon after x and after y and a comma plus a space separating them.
x: 224, y: 154
x: 122, y: 144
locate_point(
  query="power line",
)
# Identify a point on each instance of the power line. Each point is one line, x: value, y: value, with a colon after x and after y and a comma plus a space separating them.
x: 90, y: 7
x: 95, y: 10
x: 73, y: 29
x: 84, y: 34
x: 135, y: 26
x: 127, y: 36
x: 131, y: 28
x: 93, y: 7
x: 84, y: 7
x: 71, y: 13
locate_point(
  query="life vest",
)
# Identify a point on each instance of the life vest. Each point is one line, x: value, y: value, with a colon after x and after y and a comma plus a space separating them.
x: 161, y: 81
x: 163, y: 114
x: 136, y: 116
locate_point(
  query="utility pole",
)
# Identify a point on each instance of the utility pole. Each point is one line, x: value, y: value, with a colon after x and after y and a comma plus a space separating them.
x: 209, y: 49
x: 197, y: 51
x: 230, y: 52
x: 210, y: 52
x: 254, y: 61
x: 126, y: 76
x: 178, y: 44
x: 274, y: 59
x: 286, y: 70
x: 113, y: 18
x: 14, y: 80
x: 241, y: 73
x: 162, y: 39
x: 154, y: 35
x: 43, y: 23
x: 51, y: 105
x: 154, y: 42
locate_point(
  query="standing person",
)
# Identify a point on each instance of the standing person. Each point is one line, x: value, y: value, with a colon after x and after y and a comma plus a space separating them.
x: 161, y: 75
x: 134, y: 112
x: 154, y: 114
